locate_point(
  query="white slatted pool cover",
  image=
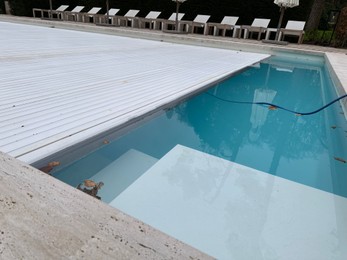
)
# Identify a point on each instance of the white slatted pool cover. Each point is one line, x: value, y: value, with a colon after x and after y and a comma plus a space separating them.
x: 60, y: 87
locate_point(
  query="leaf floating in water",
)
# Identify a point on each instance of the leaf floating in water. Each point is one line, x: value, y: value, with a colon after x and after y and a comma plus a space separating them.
x: 46, y: 169
x: 89, y: 183
x: 53, y: 164
x: 91, y: 188
x: 106, y: 141
x: 333, y: 126
x: 298, y: 114
x: 272, y: 108
x: 49, y: 167
x: 340, y: 159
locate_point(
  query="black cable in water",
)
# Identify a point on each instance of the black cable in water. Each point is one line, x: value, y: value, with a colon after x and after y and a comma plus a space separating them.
x: 273, y: 106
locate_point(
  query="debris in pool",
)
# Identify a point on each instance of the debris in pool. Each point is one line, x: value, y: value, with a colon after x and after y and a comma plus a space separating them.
x: 89, y: 183
x: 106, y: 141
x: 272, y: 107
x: 298, y: 114
x: 333, y: 126
x: 49, y: 167
x: 340, y: 159
x: 90, y: 187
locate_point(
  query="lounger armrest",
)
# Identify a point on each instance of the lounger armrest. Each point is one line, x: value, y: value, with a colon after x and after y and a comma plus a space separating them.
x: 221, y: 25
x: 170, y: 21
x: 253, y: 28
x: 144, y: 19
x: 198, y: 23
x: 72, y: 13
x: 289, y: 31
x: 39, y: 9
x: 299, y: 33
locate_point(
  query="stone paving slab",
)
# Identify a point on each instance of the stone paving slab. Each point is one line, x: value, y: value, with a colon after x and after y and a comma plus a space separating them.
x: 43, y: 218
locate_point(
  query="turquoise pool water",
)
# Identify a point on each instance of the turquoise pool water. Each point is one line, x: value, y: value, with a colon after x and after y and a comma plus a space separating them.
x: 305, y: 149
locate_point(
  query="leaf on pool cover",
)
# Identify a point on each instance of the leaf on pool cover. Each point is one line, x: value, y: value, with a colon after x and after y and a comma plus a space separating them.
x: 340, y: 159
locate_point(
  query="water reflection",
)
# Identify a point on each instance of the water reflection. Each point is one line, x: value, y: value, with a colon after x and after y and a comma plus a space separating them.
x: 259, y: 113
x: 278, y: 142
x: 299, y: 148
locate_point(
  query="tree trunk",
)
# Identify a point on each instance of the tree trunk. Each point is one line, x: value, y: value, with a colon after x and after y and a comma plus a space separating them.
x: 340, y: 32
x: 315, y: 15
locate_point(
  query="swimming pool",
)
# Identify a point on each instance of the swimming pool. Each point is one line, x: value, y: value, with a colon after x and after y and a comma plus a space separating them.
x: 236, y: 181
x: 310, y: 150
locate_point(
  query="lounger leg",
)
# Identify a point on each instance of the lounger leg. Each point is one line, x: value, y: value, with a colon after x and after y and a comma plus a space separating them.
x: 300, y: 38
x: 246, y: 33
x: 205, y: 30
x: 259, y: 35
x: 216, y: 31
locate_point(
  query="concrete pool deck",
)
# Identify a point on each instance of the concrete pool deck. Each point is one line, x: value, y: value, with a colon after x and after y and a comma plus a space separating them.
x: 45, y: 218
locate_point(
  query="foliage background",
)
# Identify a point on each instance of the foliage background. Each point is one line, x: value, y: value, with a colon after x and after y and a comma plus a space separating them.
x: 247, y: 10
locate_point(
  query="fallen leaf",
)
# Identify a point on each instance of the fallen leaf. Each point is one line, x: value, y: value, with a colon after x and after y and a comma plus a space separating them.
x: 46, y: 169
x: 89, y: 183
x: 53, y: 164
x: 340, y: 159
x: 49, y: 167
x: 272, y: 107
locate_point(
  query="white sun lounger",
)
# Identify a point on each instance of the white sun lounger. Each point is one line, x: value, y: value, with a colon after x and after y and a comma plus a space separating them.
x: 198, y: 22
x: 293, y: 28
x: 59, y: 11
x: 73, y: 14
x: 259, y: 26
x: 150, y: 20
x: 89, y: 16
x: 128, y: 18
x: 101, y: 18
x: 164, y: 23
x: 228, y: 23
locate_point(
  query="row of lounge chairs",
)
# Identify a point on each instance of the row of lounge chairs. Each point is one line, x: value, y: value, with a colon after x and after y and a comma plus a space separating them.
x: 199, y: 24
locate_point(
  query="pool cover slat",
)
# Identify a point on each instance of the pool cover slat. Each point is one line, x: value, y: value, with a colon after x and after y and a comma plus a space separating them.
x: 61, y: 87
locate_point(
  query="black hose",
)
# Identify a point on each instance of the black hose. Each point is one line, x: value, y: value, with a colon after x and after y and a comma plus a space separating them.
x: 273, y: 106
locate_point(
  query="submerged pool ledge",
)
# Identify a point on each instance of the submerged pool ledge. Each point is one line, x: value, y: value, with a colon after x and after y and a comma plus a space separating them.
x: 231, y: 211
x: 43, y: 218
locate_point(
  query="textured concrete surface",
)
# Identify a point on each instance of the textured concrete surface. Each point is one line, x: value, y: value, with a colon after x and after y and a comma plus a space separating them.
x: 43, y: 218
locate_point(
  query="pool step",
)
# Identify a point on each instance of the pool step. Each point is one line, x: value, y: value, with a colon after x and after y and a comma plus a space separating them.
x: 121, y: 173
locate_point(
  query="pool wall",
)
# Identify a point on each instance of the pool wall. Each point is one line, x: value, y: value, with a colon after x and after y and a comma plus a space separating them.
x: 338, y: 76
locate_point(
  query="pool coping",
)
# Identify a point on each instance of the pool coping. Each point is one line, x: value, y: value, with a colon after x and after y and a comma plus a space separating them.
x: 43, y: 218
x: 28, y: 218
